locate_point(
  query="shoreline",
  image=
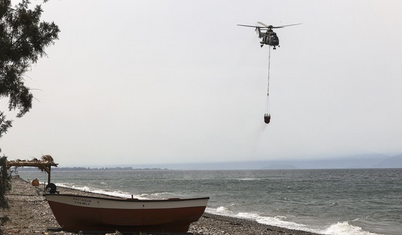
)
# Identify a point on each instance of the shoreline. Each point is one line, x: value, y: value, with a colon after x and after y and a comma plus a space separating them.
x: 29, y: 213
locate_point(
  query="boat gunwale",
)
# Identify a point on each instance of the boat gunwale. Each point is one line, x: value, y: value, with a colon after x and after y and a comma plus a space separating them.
x: 121, y: 199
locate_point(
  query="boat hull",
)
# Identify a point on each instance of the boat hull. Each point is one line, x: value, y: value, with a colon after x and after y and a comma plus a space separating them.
x: 82, y: 213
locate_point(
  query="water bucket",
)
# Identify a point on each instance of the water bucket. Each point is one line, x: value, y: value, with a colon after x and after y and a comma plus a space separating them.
x: 267, y: 118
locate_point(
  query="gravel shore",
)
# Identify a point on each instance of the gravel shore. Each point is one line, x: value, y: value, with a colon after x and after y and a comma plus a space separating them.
x: 29, y: 213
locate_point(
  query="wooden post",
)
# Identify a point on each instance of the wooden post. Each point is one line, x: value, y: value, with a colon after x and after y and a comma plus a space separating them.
x: 48, y: 175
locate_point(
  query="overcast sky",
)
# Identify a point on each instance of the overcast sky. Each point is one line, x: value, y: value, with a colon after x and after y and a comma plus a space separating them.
x: 143, y: 82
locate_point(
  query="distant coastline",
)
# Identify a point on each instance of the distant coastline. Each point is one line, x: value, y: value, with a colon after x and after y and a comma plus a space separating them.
x: 93, y: 169
x: 366, y: 161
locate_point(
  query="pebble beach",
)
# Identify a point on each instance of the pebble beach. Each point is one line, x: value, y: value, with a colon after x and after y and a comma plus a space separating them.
x: 29, y: 213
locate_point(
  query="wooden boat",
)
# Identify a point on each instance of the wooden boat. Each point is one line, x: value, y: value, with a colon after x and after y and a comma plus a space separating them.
x: 83, y: 213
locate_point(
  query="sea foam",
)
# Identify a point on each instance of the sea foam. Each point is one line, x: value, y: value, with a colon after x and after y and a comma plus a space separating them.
x: 340, y: 228
x: 278, y: 221
x: 344, y: 228
x: 101, y: 191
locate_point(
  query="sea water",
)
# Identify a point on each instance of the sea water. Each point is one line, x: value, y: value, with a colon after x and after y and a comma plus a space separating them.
x: 347, y: 201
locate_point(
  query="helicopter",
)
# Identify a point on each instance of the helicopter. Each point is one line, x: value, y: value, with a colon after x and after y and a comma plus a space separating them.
x: 267, y: 35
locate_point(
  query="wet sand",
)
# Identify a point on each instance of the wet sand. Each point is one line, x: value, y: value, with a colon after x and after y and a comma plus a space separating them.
x: 29, y: 213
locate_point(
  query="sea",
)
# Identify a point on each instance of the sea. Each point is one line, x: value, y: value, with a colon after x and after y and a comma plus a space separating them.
x: 330, y: 201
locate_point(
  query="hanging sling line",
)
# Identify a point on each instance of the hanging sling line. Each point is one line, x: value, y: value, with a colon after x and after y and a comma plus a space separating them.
x: 269, y: 67
x: 267, y: 115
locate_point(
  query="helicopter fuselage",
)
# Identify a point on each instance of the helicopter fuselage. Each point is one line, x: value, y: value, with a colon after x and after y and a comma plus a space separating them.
x: 268, y: 37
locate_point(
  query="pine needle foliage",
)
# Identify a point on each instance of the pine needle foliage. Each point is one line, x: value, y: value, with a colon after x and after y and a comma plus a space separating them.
x: 23, y: 39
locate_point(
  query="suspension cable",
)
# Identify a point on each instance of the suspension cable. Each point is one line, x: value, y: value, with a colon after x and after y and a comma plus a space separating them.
x: 269, y: 67
x: 267, y: 115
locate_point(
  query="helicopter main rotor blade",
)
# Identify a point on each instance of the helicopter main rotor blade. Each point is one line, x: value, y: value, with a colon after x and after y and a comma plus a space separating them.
x: 282, y: 26
x: 266, y: 26
x: 252, y: 26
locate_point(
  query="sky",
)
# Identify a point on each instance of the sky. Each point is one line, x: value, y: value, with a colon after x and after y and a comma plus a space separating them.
x: 149, y: 82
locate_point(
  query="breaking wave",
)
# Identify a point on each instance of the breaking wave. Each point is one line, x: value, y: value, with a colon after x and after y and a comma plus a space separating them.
x: 340, y: 228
